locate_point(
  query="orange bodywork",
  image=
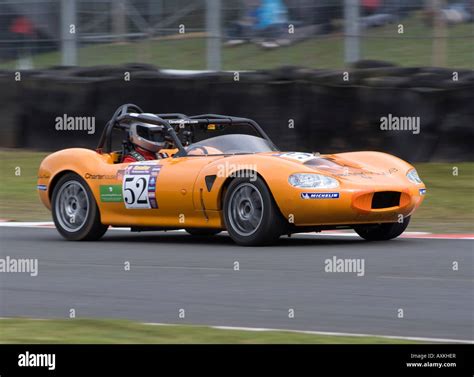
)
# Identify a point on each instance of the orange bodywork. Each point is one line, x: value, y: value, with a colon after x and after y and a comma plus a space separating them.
x: 184, y: 198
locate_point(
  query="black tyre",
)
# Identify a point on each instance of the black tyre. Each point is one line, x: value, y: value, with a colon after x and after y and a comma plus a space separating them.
x: 202, y: 232
x: 250, y: 214
x: 382, y: 232
x: 75, y: 212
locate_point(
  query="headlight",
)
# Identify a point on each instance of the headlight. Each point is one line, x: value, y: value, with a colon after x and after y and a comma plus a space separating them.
x: 412, y: 176
x: 312, y: 181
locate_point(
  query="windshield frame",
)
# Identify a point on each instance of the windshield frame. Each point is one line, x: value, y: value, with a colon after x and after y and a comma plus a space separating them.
x: 227, y: 140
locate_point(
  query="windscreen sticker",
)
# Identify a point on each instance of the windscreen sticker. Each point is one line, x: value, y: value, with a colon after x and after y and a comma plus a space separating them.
x: 139, y: 185
x: 298, y: 156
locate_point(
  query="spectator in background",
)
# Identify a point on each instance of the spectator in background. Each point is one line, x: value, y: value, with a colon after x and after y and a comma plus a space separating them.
x: 370, y: 7
x: 455, y: 12
x: 272, y: 17
x: 243, y: 30
x: 263, y: 22
x: 23, y: 30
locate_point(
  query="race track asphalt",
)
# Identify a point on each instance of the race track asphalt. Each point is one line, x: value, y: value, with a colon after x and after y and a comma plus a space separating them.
x: 171, y: 271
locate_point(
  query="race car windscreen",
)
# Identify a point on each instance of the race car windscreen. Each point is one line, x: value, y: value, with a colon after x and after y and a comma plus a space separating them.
x: 230, y: 144
x: 213, y: 139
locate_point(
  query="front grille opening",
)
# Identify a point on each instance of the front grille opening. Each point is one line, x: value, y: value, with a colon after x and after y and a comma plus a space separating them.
x: 385, y: 199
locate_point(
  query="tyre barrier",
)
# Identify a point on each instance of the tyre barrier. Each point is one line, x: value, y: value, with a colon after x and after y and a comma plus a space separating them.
x: 328, y: 111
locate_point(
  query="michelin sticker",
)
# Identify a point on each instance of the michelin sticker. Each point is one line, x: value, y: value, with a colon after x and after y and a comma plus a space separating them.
x: 319, y: 195
x: 298, y: 156
x: 139, y: 185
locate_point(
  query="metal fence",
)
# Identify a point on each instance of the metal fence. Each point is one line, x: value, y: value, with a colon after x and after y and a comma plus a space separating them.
x: 235, y: 34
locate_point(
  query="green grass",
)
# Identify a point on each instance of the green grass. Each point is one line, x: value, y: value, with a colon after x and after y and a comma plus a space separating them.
x: 412, y: 48
x: 449, y: 203
x: 19, y: 198
x: 448, y: 206
x: 88, y: 331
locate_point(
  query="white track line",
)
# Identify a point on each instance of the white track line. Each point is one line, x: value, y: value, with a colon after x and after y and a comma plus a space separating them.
x: 27, y: 224
x: 262, y: 329
x: 329, y: 233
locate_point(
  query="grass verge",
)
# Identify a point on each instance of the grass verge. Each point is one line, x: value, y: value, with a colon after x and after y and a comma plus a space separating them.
x: 91, y: 331
x: 19, y: 198
x: 448, y: 207
x: 449, y: 203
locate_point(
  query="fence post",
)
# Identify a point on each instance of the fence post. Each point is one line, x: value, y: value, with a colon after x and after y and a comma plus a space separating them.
x: 351, y: 31
x: 439, y: 34
x: 213, y: 28
x: 68, y: 32
x: 119, y: 20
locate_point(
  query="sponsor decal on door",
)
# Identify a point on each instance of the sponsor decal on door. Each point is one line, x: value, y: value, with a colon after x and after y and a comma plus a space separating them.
x: 139, y: 185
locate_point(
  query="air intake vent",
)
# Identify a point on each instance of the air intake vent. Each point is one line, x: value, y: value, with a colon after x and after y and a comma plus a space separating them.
x: 385, y: 199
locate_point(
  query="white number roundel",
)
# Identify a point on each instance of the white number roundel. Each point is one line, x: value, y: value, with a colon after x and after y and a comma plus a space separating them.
x: 135, y: 191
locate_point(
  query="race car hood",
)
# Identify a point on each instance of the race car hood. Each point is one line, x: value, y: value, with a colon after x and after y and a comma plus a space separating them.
x: 343, y: 168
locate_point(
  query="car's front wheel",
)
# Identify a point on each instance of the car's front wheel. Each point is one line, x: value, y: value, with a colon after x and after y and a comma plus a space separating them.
x: 250, y: 213
x: 382, y: 232
x: 75, y: 212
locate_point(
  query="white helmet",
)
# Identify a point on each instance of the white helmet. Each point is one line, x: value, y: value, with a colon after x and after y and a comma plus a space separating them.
x: 147, y: 136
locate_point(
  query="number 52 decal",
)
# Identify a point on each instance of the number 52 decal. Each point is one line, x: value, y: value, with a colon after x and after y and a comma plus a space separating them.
x: 139, y: 186
x: 135, y: 193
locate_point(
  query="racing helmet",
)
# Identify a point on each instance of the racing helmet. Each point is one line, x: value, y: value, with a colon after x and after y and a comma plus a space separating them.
x: 147, y: 136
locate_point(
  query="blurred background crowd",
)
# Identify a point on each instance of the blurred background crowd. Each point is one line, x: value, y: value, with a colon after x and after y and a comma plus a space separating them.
x: 235, y: 34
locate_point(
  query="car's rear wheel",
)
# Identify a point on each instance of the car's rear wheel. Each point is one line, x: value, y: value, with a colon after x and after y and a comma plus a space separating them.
x: 202, y: 232
x: 75, y: 212
x: 250, y: 213
x: 382, y: 232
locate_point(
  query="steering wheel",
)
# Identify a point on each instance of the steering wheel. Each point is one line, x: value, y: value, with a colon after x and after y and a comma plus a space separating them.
x: 194, y: 147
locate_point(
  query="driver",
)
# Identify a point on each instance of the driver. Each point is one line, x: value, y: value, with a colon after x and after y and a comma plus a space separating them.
x: 145, y: 142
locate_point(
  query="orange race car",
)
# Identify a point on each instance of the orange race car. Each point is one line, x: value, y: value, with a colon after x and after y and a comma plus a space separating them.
x: 211, y: 173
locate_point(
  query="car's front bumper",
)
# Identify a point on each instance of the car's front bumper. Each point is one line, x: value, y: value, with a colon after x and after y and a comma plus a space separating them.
x: 351, y: 205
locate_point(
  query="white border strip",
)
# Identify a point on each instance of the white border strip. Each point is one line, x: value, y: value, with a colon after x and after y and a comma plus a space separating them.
x: 27, y: 224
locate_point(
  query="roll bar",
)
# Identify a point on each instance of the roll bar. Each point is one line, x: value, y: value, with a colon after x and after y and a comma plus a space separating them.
x: 129, y: 113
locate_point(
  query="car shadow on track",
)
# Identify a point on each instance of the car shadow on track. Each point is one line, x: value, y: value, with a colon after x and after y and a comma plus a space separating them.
x: 221, y: 240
